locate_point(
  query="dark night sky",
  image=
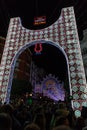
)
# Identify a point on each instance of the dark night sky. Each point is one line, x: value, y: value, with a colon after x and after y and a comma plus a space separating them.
x: 27, y: 10
x: 51, y: 59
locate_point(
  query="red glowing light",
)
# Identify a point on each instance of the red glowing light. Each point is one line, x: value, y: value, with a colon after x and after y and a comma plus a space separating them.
x: 38, y: 48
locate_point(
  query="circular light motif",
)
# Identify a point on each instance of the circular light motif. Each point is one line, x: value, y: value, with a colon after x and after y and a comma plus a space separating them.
x: 10, y: 48
x: 8, y: 61
x: 75, y: 45
x: 66, y: 20
x: 9, y: 57
x: 62, y: 38
x: 68, y: 32
x: 67, y: 28
x: 71, y: 62
x: 36, y: 33
x: 10, y: 53
x: 2, y: 95
x: 85, y: 89
x: 70, y: 51
x: 1, y: 73
x: 12, y: 40
x: 46, y: 35
x: 62, y: 33
x: 68, y: 37
x: 75, y: 50
x: 79, y: 68
x: 76, y: 104
x: 6, y: 77
x: 77, y: 113
x: 82, y: 88
x: 62, y: 42
x: 84, y: 104
x: 36, y: 37
x: 64, y: 47
x: 73, y: 81
x: 56, y: 34
x: 61, y: 29
x: 77, y: 56
x: 73, y: 75
x: 75, y: 96
x: 61, y: 25
x: 69, y: 41
x: 71, y: 57
x: 50, y: 35
x: 83, y: 96
x: 31, y: 33
x: 78, y: 62
x: 69, y: 46
x: 41, y: 32
x: 75, y: 88
x: 55, y: 26
x: 66, y: 17
x: 72, y: 68
x: 4, y: 89
x: 6, y: 72
x: 51, y: 27
x: 67, y: 24
x: 4, y: 83
x: 56, y: 30
x: 79, y: 75
x: 81, y: 81
x: 52, y: 30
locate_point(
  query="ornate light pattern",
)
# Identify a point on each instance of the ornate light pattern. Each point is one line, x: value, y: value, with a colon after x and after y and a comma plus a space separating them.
x: 63, y: 33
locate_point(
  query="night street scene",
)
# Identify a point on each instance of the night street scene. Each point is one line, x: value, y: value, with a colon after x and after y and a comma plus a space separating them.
x: 43, y: 65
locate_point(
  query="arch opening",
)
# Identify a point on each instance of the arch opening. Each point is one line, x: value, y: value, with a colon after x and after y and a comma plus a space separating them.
x: 56, y: 66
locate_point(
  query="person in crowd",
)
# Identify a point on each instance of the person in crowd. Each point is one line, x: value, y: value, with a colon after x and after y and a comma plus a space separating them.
x: 62, y: 127
x: 5, y: 122
x: 32, y: 126
x: 84, y: 114
x: 80, y: 123
x: 61, y: 120
x: 40, y: 120
x: 8, y: 109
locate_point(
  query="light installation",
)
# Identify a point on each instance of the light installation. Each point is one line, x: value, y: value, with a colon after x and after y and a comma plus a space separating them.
x: 64, y: 34
x: 53, y: 89
x: 38, y: 48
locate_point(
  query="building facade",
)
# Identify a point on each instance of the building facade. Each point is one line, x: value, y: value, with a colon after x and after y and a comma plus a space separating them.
x: 23, y: 63
x: 83, y: 44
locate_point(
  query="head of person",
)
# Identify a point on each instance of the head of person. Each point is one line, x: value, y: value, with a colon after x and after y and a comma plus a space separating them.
x: 32, y: 126
x: 40, y: 120
x: 5, y: 122
x: 61, y: 120
x: 61, y: 127
x: 7, y: 108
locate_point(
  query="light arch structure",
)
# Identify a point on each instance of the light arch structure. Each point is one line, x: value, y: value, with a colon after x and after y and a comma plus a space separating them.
x: 63, y: 32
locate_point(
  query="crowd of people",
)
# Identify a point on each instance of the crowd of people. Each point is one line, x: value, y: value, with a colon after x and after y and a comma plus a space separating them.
x: 40, y: 115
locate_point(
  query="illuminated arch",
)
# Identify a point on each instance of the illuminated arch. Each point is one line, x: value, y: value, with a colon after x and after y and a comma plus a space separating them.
x: 62, y: 32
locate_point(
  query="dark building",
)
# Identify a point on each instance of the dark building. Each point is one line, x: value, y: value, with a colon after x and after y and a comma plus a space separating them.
x: 23, y: 63
x: 2, y: 43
